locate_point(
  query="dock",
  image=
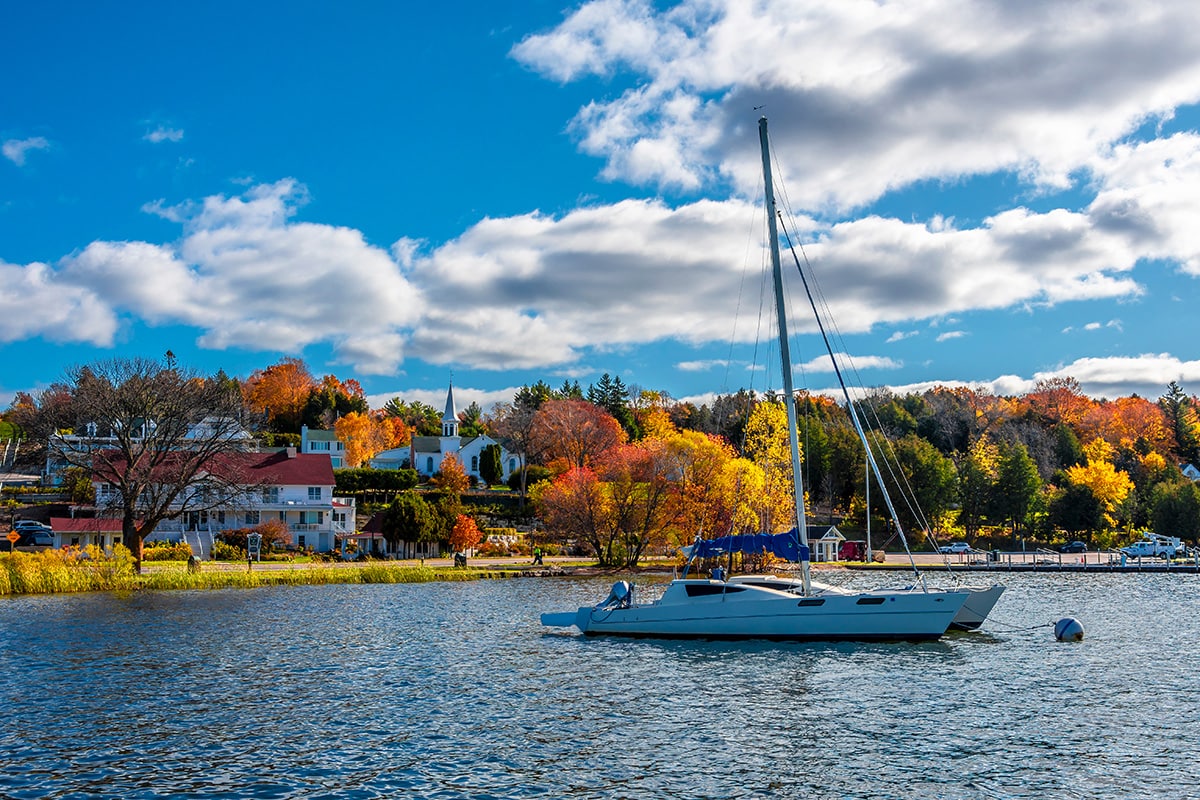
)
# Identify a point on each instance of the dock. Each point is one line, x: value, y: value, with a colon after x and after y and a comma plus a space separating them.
x: 1039, y: 561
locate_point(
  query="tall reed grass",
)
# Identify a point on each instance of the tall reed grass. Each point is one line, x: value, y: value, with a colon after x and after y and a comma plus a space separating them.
x: 93, y: 570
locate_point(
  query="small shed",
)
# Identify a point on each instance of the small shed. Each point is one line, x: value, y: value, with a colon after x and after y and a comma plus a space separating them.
x: 826, y: 541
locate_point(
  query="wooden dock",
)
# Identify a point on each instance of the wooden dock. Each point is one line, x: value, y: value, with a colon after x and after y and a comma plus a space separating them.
x: 1042, y: 561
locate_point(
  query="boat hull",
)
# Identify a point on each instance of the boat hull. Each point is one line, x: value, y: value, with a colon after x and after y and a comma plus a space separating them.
x: 698, y: 609
x: 978, y: 605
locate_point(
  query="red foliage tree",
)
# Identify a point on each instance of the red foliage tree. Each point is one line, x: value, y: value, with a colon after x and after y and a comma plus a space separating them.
x: 574, y: 432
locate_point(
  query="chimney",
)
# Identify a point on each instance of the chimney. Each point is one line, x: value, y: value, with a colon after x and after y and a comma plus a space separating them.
x: 291, y: 452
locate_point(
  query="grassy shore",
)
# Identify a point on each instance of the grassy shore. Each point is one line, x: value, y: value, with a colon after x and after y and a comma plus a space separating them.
x: 54, y: 571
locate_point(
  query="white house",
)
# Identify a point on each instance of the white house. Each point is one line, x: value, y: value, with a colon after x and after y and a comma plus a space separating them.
x: 294, y: 488
x: 322, y: 442
x: 426, y: 453
x: 1191, y: 473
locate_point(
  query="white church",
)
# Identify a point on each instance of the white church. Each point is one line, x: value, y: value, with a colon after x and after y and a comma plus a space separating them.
x: 426, y: 453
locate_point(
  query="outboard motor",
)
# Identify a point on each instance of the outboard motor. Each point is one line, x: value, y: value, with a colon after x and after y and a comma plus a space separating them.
x: 621, y: 596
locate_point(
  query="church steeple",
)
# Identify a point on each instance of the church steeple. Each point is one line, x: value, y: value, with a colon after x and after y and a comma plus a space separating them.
x: 450, y: 416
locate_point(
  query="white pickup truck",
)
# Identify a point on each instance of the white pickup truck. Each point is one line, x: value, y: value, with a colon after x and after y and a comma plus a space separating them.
x: 1152, y: 544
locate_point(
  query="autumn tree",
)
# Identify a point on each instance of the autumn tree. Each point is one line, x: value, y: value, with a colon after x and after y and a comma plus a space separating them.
x: 451, y: 476
x: 1059, y: 399
x: 617, y: 510
x: 767, y: 446
x: 365, y: 435
x: 573, y: 432
x: 169, y: 432
x: 465, y: 535
x: 280, y: 392
x: 1108, y: 485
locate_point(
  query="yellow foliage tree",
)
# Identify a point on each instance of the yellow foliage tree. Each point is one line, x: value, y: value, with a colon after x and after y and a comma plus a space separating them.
x: 1110, y: 485
x: 767, y: 446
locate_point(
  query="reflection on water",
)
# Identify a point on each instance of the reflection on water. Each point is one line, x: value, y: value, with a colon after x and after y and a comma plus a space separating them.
x: 454, y: 690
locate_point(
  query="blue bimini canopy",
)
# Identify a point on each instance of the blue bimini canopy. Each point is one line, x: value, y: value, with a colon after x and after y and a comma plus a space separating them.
x: 781, y: 545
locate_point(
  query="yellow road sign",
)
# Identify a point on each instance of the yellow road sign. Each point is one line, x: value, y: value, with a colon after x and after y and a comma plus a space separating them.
x: 14, y: 537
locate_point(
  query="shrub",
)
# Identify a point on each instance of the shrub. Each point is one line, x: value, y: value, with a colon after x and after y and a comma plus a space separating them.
x: 167, y: 551
x: 223, y: 551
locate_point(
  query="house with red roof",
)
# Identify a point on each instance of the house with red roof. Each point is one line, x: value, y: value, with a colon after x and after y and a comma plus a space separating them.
x: 294, y: 488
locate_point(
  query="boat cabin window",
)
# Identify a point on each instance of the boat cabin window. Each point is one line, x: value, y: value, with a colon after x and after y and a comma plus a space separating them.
x: 702, y: 589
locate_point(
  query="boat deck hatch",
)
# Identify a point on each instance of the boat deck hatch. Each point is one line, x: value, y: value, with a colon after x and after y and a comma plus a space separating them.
x: 870, y: 601
x: 811, y: 601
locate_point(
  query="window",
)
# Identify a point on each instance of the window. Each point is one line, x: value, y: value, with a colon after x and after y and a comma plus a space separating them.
x: 474, y: 463
x: 251, y: 518
x: 314, y: 493
x: 314, y: 446
x: 270, y: 494
x: 429, y: 465
x: 300, y: 541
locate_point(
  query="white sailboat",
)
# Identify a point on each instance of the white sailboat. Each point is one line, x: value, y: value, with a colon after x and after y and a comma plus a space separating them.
x: 745, y: 608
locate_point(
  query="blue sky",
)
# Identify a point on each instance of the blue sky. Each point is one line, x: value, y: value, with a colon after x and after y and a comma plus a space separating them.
x: 991, y: 194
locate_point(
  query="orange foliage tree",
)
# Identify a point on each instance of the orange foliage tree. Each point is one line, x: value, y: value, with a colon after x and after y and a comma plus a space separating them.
x: 451, y: 476
x: 367, y: 434
x: 280, y: 391
x: 465, y: 534
x: 1059, y: 400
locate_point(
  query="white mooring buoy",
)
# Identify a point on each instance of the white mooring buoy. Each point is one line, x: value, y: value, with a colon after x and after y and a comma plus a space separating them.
x: 1068, y: 629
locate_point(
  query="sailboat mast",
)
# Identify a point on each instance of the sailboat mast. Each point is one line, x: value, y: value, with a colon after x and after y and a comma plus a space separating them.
x: 789, y: 395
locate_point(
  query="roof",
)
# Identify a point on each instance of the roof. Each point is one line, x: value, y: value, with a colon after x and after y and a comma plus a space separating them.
x: 85, y: 524
x: 433, y: 444
x: 451, y: 413
x: 280, y: 468
x: 318, y: 435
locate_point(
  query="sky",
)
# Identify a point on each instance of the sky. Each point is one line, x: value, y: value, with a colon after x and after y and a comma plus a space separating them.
x: 495, y: 193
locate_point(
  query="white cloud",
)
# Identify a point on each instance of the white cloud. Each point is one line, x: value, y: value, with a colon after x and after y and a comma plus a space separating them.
x: 948, y: 335
x: 164, y: 134
x: 246, y: 276
x: 15, y: 149
x: 847, y: 363
x: 900, y: 336
x: 35, y: 302
x: 866, y: 98
x: 702, y: 366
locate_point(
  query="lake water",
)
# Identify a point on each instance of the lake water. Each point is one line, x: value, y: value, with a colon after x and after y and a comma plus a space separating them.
x: 455, y: 691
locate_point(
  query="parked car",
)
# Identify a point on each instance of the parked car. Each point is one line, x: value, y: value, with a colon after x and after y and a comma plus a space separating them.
x: 36, y: 539
x: 1073, y: 547
x: 22, y: 525
x: 955, y: 547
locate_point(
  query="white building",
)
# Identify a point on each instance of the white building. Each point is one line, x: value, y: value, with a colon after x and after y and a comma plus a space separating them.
x: 426, y: 453
x: 294, y: 488
x: 320, y: 442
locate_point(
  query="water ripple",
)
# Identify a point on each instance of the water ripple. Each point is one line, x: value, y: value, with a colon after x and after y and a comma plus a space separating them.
x: 454, y: 691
